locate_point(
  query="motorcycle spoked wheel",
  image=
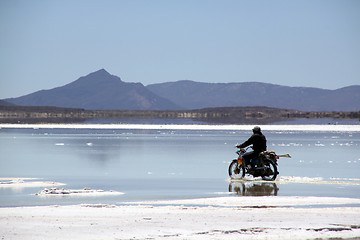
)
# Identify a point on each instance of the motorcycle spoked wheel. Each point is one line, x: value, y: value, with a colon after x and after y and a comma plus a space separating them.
x: 270, y: 171
x: 236, y: 171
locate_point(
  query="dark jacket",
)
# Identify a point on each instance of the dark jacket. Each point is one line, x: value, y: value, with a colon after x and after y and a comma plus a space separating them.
x: 258, y: 141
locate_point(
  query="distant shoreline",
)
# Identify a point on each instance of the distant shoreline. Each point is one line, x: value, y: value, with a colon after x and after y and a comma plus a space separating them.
x: 319, y: 128
x: 228, y: 115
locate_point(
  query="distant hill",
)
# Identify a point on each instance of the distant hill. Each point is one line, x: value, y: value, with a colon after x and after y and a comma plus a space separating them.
x: 4, y: 103
x: 100, y: 91
x: 196, y: 95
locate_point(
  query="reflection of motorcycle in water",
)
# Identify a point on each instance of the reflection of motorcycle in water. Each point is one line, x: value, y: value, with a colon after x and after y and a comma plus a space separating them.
x: 254, y: 188
x: 265, y: 166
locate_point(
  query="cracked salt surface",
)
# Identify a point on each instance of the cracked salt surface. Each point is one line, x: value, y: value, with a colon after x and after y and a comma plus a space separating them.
x: 212, y: 218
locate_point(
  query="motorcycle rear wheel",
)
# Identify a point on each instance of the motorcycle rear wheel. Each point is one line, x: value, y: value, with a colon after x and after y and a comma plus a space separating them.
x: 236, y: 171
x: 270, y: 171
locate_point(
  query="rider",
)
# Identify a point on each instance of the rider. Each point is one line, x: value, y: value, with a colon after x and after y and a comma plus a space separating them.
x: 258, y: 141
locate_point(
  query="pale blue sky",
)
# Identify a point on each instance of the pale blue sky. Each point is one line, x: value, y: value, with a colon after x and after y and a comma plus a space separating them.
x: 45, y: 44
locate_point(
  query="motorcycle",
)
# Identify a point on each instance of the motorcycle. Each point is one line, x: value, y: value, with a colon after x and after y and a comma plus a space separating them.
x: 265, y: 166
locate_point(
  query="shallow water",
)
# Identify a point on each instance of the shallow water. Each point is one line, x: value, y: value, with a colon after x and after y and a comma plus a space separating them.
x: 172, y: 164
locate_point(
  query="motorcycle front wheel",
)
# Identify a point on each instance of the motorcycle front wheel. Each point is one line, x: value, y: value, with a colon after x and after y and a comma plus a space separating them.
x: 236, y: 171
x: 270, y: 171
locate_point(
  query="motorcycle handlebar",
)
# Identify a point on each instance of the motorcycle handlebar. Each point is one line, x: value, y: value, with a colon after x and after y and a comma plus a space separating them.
x: 243, y: 149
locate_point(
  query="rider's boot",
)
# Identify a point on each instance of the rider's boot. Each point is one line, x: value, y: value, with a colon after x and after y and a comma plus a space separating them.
x: 251, y: 168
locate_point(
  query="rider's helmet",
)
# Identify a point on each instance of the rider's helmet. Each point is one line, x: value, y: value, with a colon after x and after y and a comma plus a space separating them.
x: 256, y: 129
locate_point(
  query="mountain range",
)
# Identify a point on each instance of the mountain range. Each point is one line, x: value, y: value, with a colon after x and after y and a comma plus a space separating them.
x: 97, y: 91
x: 195, y: 95
x: 102, y: 91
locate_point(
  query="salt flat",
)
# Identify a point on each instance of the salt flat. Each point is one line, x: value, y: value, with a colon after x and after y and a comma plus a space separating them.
x: 209, y: 218
x: 230, y: 217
